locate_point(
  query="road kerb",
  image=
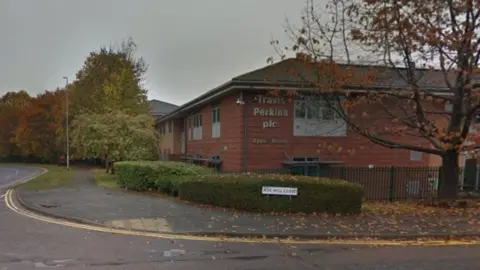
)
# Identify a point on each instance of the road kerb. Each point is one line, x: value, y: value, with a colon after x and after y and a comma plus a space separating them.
x: 11, y: 204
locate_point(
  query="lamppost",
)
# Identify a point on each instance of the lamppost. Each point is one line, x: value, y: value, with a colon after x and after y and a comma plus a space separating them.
x: 66, y: 102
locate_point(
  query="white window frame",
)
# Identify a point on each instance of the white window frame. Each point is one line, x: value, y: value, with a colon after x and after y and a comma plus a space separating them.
x: 189, y: 127
x: 319, y: 119
x: 216, y: 122
x: 197, y: 126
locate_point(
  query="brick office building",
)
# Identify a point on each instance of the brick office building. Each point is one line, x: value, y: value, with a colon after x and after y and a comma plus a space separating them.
x: 242, y: 125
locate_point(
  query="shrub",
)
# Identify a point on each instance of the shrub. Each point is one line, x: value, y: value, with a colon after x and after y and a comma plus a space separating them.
x: 244, y: 192
x: 163, y: 176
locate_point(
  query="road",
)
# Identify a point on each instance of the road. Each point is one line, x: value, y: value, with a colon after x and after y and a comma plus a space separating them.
x: 31, y: 244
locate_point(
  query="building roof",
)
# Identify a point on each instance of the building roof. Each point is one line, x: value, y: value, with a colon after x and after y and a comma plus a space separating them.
x: 161, y: 108
x: 380, y: 76
x: 280, y: 74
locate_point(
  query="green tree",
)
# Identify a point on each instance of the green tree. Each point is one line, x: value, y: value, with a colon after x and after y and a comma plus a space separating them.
x: 122, y: 93
x: 110, y: 68
x: 115, y: 135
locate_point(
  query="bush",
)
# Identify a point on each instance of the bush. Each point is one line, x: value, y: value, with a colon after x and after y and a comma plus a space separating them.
x: 244, y: 192
x: 163, y: 176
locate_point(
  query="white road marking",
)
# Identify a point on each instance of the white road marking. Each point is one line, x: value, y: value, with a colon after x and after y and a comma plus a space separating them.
x: 3, y: 195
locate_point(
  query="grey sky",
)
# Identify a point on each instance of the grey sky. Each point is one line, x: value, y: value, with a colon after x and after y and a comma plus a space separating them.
x: 191, y: 46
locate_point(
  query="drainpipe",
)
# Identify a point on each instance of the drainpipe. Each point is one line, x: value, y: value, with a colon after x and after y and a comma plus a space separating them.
x: 245, y: 133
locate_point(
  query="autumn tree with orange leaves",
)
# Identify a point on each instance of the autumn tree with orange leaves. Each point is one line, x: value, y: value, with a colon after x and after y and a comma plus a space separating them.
x: 422, y: 58
x: 12, y: 106
x: 40, y: 130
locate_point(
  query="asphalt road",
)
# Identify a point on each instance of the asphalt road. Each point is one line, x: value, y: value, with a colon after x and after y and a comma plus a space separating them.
x: 30, y: 244
x: 11, y: 175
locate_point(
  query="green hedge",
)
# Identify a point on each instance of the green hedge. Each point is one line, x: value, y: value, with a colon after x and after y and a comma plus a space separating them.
x: 162, y: 176
x: 244, y: 192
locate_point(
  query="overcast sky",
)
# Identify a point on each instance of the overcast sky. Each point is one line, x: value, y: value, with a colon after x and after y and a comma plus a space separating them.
x: 191, y: 46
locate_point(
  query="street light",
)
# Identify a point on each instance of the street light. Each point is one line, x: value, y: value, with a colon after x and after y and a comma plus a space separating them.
x: 66, y: 102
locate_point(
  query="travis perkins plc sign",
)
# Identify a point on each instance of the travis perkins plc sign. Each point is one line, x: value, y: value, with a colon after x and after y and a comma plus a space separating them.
x: 272, y: 112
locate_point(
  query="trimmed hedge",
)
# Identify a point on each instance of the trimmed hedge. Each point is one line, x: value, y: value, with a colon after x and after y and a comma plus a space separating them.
x: 162, y: 176
x: 244, y: 192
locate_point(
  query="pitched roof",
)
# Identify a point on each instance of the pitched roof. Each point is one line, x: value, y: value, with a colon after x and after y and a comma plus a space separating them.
x: 383, y: 77
x: 161, y: 108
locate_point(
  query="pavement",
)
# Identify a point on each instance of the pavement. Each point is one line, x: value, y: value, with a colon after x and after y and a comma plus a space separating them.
x: 85, y: 202
x: 33, y: 244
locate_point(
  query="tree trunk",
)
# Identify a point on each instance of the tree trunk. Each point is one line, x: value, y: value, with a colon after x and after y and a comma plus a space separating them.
x: 107, y: 163
x: 449, y: 175
x: 113, y: 167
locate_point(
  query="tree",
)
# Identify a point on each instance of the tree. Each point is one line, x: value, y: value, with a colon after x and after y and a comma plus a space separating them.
x: 108, y: 68
x: 12, y: 105
x: 116, y: 134
x: 411, y: 40
x: 122, y: 93
x: 40, y: 131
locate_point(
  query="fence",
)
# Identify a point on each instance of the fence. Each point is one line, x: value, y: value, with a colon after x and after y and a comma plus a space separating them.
x: 394, y: 183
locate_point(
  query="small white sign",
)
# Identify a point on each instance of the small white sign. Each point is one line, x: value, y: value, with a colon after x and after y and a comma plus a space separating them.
x: 280, y: 191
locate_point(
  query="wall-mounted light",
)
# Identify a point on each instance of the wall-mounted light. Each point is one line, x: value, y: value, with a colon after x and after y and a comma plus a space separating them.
x: 240, y: 99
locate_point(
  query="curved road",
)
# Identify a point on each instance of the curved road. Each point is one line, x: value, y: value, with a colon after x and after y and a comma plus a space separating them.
x: 11, y: 175
x: 31, y: 244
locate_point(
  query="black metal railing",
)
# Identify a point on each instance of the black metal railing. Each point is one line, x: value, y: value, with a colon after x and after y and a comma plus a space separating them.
x: 390, y: 183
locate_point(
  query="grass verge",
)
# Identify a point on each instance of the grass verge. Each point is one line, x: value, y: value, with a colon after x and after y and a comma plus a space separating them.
x: 105, y: 179
x: 56, y: 176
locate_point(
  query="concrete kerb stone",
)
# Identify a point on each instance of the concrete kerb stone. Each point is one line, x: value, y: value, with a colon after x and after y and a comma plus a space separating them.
x: 280, y: 236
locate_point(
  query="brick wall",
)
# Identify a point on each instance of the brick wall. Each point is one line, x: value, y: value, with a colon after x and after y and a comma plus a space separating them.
x: 273, y: 121
x: 229, y: 146
x: 353, y: 149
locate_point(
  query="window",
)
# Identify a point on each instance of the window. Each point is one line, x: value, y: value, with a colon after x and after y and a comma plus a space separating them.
x: 162, y: 128
x: 170, y: 129
x: 328, y: 114
x: 300, y: 109
x: 197, y: 127
x: 167, y: 127
x: 315, y: 111
x: 415, y: 155
x: 216, y: 122
x: 314, y: 117
x: 448, y: 107
x: 189, y: 127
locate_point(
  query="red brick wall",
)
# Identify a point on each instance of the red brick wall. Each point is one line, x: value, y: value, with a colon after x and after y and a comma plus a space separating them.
x: 229, y: 146
x: 352, y: 149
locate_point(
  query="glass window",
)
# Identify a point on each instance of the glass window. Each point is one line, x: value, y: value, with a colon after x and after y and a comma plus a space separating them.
x: 300, y: 110
x: 313, y: 111
x: 216, y: 115
x: 328, y: 113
